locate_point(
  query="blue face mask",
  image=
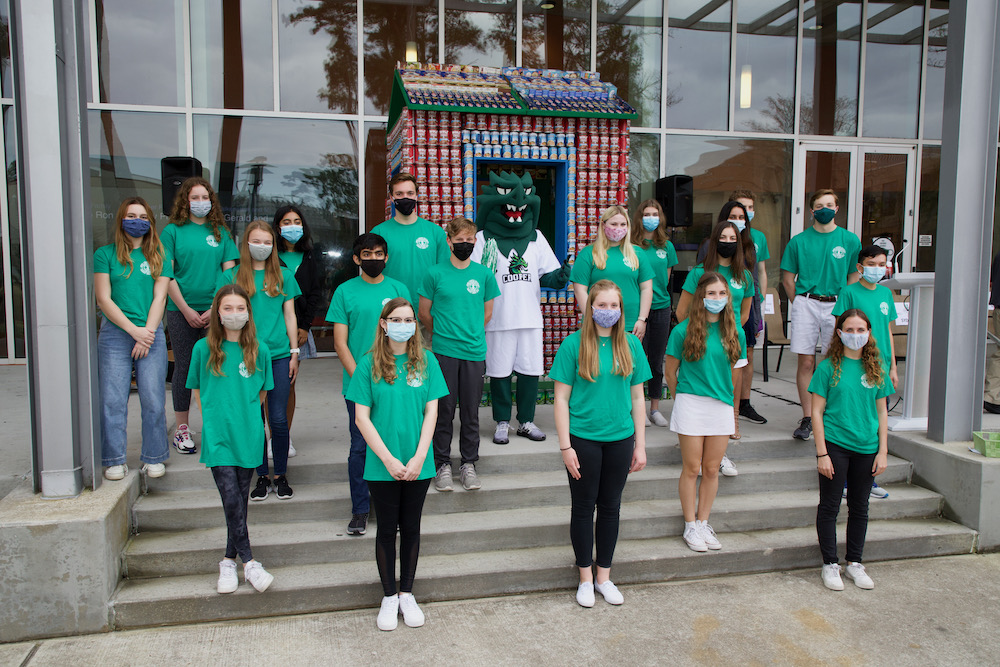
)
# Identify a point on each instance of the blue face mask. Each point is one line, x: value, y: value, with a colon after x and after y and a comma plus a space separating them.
x: 873, y: 274
x: 740, y: 224
x: 715, y: 306
x: 650, y: 222
x: 606, y: 317
x: 135, y: 227
x: 400, y: 331
x: 855, y: 341
x: 200, y: 208
x: 749, y: 216
x: 292, y: 233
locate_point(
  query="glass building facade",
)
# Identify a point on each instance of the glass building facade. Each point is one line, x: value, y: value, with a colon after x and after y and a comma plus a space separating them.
x: 286, y: 101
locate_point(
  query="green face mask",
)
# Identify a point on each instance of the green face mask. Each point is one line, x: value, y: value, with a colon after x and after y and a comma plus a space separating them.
x: 824, y: 215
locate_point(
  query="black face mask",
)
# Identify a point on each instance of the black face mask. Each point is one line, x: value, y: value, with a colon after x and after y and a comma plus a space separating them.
x: 462, y: 251
x: 373, y: 268
x: 727, y: 248
x: 405, y: 205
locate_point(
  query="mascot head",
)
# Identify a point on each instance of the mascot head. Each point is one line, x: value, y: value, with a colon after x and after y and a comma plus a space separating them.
x: 508, y: 207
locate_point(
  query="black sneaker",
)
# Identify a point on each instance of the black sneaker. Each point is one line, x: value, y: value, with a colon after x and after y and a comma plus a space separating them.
x: 804, y: 430
x: 358, y: 524
x: 262, y: 489
x: 281, y: 488
x: 747, y: 412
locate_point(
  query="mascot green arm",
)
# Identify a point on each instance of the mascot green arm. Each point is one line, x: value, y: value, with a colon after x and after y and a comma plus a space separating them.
x: 556, y: 279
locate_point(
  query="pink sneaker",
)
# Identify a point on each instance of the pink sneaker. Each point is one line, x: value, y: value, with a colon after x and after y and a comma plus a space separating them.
x: 182, y: 440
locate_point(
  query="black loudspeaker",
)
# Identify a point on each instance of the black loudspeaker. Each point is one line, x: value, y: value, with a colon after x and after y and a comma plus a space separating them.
x: 676, y: 196
x: 173, y: 172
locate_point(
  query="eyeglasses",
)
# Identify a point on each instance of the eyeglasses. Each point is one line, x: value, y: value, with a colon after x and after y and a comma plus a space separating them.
x: 402, y: 320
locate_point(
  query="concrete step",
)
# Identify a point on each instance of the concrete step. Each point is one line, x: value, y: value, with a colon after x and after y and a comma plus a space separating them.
x: 196, y: 508
x: 168, y: 554
x: 352, y: 585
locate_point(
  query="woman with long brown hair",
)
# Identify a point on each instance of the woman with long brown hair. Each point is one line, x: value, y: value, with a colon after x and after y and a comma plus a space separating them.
x: 599, y: 411
x: 131, y: 276
x: 849, y: 418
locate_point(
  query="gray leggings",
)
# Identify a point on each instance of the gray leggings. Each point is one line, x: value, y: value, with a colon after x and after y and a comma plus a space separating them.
x: 182, y: 339
x: 234, y: 489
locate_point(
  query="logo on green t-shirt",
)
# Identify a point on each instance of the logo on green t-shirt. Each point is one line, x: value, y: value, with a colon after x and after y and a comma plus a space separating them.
x: 144, y: 269
x: 210, y: 240
x: 661, y: 253
x: 386, y: 300
x: 472, y: 286
x: 736, y: 285
x: 866, y: 383
x: 415, y: 381
x: 243, y: 370
x: 422, y: 242
x: 884, y: 308
x: 839, y: 252
x: 756, y: 247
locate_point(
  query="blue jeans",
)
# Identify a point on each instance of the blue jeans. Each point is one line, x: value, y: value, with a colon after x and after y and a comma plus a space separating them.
x: 277, y: 418
x: 356, y: 465
x: 114, y: 367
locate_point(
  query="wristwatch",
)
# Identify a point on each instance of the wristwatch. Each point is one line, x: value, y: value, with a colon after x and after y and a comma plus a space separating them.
x: 294, y: 350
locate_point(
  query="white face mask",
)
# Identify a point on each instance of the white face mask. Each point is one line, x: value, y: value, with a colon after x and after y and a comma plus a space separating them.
x: 259, y: 251
x: 854, y: 341
x: 235, y: 321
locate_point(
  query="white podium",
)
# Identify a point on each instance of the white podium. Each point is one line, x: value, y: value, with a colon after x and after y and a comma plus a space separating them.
x: 918, y: 349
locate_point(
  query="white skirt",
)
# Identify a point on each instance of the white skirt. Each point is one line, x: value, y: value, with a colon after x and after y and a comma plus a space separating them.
x: 701, y: 415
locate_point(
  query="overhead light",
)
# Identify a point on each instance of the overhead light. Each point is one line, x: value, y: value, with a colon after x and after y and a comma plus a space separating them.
x: 746, y: 83
x: 411, y: 52
x: 547, y: 4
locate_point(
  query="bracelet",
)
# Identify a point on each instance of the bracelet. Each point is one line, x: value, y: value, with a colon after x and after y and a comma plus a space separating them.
x: 819, y: 456
x: 565, y: 449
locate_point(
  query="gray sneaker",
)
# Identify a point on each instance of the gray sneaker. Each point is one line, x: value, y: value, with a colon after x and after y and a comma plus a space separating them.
x: 442, y: 481
x: 530, y: 431
x: 470, y: 480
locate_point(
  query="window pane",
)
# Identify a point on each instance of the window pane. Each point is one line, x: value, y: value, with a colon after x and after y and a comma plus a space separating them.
x: 376, y: 185
x: 231, y: 54
x: 937, y: 58
x: 765, y: 65
x: 643, y: 166
x: 317, y: 55
x: 480, y: 33
x: 930, y: 190
x: 831, y: 56
x: 892, y: 68
x: 698, y: 64
x: 6, y: 66
x: 630, y: 53
x: 557, y: 38
x: 396, y: 32
x: 139, y: 53
x: 14, y: 228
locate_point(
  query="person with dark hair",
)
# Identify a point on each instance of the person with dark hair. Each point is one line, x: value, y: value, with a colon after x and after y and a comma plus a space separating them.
x: 354, y: 311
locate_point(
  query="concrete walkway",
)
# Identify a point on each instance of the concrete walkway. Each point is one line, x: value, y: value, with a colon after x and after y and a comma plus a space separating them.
x: 937, y: 611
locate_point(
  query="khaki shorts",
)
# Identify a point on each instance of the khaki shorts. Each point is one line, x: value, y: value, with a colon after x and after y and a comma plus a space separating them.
x: 810, y: 324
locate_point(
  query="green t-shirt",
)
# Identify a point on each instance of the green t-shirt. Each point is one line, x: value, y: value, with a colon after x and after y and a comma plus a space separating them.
x: 618, y: 272
x: 879, y: 305
x: 292, y: 259
x: 232, y: 432
x: 661, y: 260
x: 397, y: 411
x: 198, y: 260
x: 268, y: 311
x: 737, y: 291
x: 131, y: 291
x: 710, y: 376
x: 760, y: 244
x: 412, y: 250
x: 458, y: 304
x: 851, y: 416
x: 357, y: 305
x: 600, y: 410
x: 821, y: 262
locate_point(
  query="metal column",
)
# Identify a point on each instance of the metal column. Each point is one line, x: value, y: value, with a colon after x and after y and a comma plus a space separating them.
x: 54, y: 205
x: 965, y: 219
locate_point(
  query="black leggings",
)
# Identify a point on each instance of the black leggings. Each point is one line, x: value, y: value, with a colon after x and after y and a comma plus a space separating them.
x: 397, y: 505
x: 603, y: 472
x: 654, y: 344
x: 182, y: 339
x: 855, y: 470
x: 234, y: 487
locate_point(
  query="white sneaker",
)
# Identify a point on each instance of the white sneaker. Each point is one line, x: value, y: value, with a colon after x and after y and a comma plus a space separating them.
x: 228, y: 581
x: 856, y: 572
x: 388, y: 613
x: 610, y: 592
x: 658, y: 419
x: 154, y: 470
x: 585, y: 594
x: 831, y: 577
x: 708, y: 535
x: 255, y: 575
x: 412, y: 615
x: 694, y: 540
x: 500, y: 436
x: 726, y: 467
x: 648, y: 422
x: 114, y: 473
x: 291, y: 449
x: 270, y: 453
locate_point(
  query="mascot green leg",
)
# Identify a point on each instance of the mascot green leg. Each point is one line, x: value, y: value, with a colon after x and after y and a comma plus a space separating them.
x: 527, y: 397
x: 500, y: 397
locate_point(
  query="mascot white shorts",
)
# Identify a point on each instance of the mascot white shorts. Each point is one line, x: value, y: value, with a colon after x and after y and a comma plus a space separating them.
x: 513, y: 350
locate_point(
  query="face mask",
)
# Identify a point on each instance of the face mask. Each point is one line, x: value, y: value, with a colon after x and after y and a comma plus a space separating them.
x: 405, y: 205
x: 373, y: 268
x: 292, y: 233
x: 615, y: 234
x: 259, y: 251
x: 462, y: 251
x: 235, y: 321
x: 749, y: 216
x: 606, y: 317
x: 715, y: 306
x: 200, y: 208
x: 650, y: 222
x: 726, y: 249
x: 873, y: 274
x: 855, y: 341
x: 740, y: 224
x: 824, y: 215
x: 135, y: 227
x: 400, y: 331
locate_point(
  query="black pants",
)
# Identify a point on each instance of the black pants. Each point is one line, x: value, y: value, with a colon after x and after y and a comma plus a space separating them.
x: 182, y: 339
x: 465, y: 385
x: 854, y: 470
x: 234, y: 487
x: 654, y: 344
x: 397, y: 505
x: 603, y: 472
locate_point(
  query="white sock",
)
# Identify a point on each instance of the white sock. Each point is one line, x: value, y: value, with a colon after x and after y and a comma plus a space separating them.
x: 691, y: 524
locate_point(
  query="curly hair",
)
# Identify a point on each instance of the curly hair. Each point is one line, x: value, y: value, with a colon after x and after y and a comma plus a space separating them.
x: 697, y: 328
x: 181, y: 213
x: 871, y: 358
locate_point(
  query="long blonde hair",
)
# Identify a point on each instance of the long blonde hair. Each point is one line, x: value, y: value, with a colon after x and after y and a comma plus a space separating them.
x: 384, y: 361
x: 181, y: 214
x: 588, y: 361
x: 871, y: 358
x: 601, y: 243
x: 638, y: 236
x: 697, y: 328
x: 274, y: 282
x: 217, y: 333
x: 152, y: 249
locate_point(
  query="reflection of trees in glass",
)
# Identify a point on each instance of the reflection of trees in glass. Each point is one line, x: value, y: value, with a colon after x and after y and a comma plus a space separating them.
x: 334, y: 184
x: 558, y: 38
x: 779, y: 113
x: 388, y: 28
x: 461, y: 33
x: 644, y: 167
x: 4, y: 43
x: 339, y: 20
x: 620, y: 61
